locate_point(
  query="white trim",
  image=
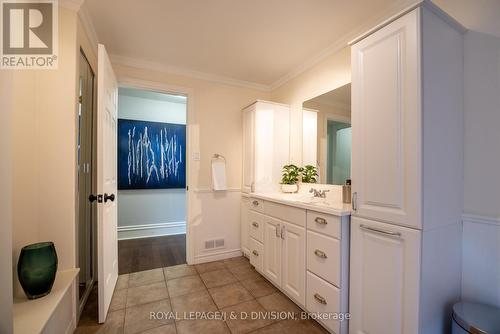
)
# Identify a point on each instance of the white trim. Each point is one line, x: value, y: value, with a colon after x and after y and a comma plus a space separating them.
x: 88, y: 27
x: 216, y: 256
x: 151, y: 230
x: 420, y: 3
x: 471, y: 218
x: 341, y: 43
x: 125, y: 81
x: 208, y: 190
x: 149, y: 226
x: 158, y: 67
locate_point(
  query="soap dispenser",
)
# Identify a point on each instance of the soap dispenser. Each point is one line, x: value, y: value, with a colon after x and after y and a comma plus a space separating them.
x: 346, y: 192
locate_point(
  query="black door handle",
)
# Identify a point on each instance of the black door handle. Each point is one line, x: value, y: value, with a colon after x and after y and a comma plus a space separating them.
x: 93, y: 198
x: 109, y: 197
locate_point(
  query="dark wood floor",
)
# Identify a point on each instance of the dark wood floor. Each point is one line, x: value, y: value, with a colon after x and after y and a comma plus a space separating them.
x: 149, y: 253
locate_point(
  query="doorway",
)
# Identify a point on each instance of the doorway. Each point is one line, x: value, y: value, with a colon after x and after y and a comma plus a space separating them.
x: 152, y: 179
x: 86, y: 250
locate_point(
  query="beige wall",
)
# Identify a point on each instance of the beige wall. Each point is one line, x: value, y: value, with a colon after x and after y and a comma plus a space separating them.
x: 215, y: 128
x: 5, y: 202
x: 329, y: 74
x: 44, y: 154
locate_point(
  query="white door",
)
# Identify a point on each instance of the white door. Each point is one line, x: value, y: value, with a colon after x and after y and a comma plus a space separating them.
x: 248, y: 149
x: 245, y: 236
x: 107, y: 249
x: 272, y: 250
x: 386, y: 124
x: 293, y: 262
x: 384, y: 278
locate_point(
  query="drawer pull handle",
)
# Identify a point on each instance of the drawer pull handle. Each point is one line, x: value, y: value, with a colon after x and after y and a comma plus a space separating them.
x: 255, y: 253
x: 320, y: 299
x: 320, y: 254
x: 320, y: 220
x: 278, y: 231
x: 255, y: 224
x: 255, y: 203
x: 376, y: 230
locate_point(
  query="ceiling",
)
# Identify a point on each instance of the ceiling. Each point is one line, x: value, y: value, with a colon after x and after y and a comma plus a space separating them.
x: 253, y: 41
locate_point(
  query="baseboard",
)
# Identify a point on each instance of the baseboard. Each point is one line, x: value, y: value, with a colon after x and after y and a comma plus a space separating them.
x: 151, y: 230
x: 217, y: 255
x: 481, y: 219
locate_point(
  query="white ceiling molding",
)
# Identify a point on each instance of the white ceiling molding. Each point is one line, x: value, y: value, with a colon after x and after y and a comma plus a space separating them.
x: 389, y: 11
x: 88, y: 26
x: 153, y: 66
x: 71, y: 4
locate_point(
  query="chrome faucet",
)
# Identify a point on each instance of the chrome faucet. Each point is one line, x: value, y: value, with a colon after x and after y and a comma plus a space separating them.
x: 319, y: 193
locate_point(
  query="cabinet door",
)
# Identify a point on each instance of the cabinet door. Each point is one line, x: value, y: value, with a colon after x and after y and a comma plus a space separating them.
x: 386, y: 123
x: 272, y: 250
x: 245, y: 239
x: 384, y: 278
x: 248, y: 149
x: 294, y: 263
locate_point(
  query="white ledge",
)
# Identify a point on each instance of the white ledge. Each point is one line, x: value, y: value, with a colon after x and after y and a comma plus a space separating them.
x: 31, y: 316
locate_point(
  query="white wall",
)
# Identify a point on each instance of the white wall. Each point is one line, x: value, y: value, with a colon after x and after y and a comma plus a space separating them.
x: 151, y: 212
x: 481, y: 231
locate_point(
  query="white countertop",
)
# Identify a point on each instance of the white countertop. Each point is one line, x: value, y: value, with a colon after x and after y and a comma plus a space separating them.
x: 31, y: 316
x: 306, y: 201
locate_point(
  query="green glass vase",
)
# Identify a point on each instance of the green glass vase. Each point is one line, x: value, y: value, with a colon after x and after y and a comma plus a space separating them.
x: 37, y: 269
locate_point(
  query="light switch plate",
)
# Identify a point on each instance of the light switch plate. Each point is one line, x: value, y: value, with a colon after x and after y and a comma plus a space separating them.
x: 196, y: 156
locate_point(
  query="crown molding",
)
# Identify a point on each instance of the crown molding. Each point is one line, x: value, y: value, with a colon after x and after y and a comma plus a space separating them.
x: 154, y: 66
x: 343, y: 42
x: 88, y: 27
x: 73, y: 5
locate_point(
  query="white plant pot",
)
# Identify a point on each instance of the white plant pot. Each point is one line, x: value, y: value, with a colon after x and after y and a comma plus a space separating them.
x: 289, y: 188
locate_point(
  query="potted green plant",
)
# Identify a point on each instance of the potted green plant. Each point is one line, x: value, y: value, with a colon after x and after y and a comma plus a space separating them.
x: 290, y: 177
x: 309, y: 174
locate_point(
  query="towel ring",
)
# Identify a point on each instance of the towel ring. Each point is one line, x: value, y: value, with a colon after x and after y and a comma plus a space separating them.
x: 219, y: 156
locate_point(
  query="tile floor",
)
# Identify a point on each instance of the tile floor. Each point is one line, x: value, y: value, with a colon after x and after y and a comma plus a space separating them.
x: 230, y: 285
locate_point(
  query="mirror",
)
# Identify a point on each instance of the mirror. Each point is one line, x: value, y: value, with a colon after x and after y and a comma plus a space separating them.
x: 327, y: 136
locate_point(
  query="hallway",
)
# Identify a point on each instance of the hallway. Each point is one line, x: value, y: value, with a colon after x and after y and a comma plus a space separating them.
x: 150, y: 253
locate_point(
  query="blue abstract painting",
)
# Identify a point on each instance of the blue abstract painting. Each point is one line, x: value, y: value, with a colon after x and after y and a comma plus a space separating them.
x: 151, y: 155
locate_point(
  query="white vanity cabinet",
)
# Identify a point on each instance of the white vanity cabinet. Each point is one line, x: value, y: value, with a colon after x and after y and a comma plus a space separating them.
x: 305, y: 253
x: 407, y: 158
x: 245, y: 226
x: 266, y: 147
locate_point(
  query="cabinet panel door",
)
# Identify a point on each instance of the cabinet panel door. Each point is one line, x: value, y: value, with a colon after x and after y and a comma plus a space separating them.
x: 272, y: 250
x: 245, y: 238
x: 386, y: 123
x: 384, y: 281
x: 294, y: 263
x: 248, y: 149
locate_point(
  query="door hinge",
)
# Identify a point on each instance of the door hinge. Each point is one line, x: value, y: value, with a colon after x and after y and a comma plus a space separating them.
x: 80, y: 99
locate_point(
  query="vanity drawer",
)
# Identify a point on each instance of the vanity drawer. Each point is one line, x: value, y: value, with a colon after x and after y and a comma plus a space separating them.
x: 256, y: 225
x: 256, y: 254
x: 287, y: 213
x: 257, y: 204
x: 323, y: 223
x: 322, y: 297
x: 323, y: 257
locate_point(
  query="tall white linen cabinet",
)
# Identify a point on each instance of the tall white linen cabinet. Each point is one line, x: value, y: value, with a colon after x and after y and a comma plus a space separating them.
x: 407, y: 174
x: 266, y: 149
